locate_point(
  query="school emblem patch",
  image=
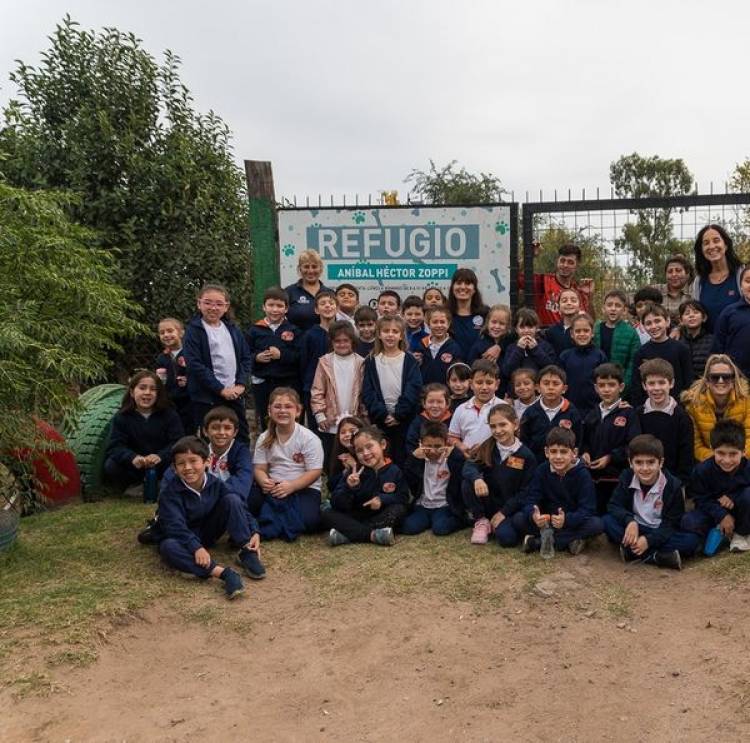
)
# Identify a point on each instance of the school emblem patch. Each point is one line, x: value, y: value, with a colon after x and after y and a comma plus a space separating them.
x: 443, y: 474
x: 621, y: 421
x: 565, y: 423
x: 515, y: 463
x: 446, y: 358
x: 477, y: 321
x: 298, y: 457
x: 303, y: 300
x: 389, y: 487
x: 180, y: 361
x: 287, y: 336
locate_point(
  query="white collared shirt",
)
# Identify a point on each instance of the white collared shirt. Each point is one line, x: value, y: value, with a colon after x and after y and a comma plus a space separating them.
x: 218, y: 463
x: 469, y: 422
x: 435, y: 484
x: 647, y: 507
x: 669, y: 408
x: 605, y: 410
x: 522, y: 407
x: 506, y: 451
x: 551, y: 412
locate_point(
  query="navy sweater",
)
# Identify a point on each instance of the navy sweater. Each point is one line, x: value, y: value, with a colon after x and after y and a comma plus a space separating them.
x: 710, y: 482
x: 301, y: 312
x: 182, y: 512
x: 465, y: 329
x: 287, y: 339
x: 482, y: 344
x: 507, y: 481
x: 533, y: 358
x: 609, y: 435
x: 535, y: 425
x: 436, y: 369
x: 135, y: 435
x: 558, y: 336
x: 673, y: 507
x: 315, y: 344
x: 700, y: 349
x: 670, y: 350
x: 732, y: 334
x: 364, y: 348
x: 388, y: 484
x: 573, y: 493
x: 414, y: 473
x: 412, y: 433
x: 676, y: 435
x: 203, y: 386
x: 408, y: 402
x: 176, y: 366
x: 579, y: 364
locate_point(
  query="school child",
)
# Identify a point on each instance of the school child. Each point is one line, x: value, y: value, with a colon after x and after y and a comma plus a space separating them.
x: 693, y: 334
x: 496, y: 477
x: 525, y: 392
x: 494, y: 338
x: 218, y: 359
x: 288, y: 464
x: 433, y: 473
x: 644, y: 513
x: 616, y: 336
x: 432, y: 297
x: 607, y: 431
x: 171, y: 368
x: 337, y: 385
x: 661, y: 346
x: 551, y: 410
x: 437, y: 351
x: 365, y: 319
x: 435, y: 401
x: 579, y: 363
x: 142, y: 436
x: 459, y: 384
x: 663, y: 417
x: 274, y: 345
x: 530, y: 351
x: 372, y: 500
x: 392, y: 384
x: 413, y: 311
x: 559, y: 335
x: 468, y: 427
x: 347, y: 298
x: 560, y: 497
x: 720, y: 488
x: 642, y: 299
x: 389, y: 303
x: 343, y: 460
x: 732, y: 329
x: 195, y: 509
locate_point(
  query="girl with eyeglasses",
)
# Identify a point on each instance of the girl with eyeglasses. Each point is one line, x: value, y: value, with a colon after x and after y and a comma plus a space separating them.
x: 722, y: 393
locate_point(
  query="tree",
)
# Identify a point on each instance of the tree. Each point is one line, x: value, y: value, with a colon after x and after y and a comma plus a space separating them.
x: 740, y: 224
x: 156, y: 180
x: 64, y: 314
x: 451, y: 187
x: 649, y: 239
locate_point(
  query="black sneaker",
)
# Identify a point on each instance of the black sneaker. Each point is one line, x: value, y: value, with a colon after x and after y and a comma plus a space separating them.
x: 671, y: 560
x: 627, y: 555
x: 151, y: 534
x: 577, y: 546
x: 531, y: 544
x: 233, y: 585
x: 250, y: 561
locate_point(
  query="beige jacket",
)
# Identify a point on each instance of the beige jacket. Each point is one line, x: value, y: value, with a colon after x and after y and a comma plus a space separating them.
x: 323, y: 394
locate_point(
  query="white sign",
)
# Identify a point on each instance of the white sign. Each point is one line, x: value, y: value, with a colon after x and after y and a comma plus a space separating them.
x: 408, y: 249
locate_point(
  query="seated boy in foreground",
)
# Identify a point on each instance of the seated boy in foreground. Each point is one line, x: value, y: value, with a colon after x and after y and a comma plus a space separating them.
x: 646, y: 507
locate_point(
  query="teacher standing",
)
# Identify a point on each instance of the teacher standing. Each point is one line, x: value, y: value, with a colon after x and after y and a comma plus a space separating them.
x: 302, y: 294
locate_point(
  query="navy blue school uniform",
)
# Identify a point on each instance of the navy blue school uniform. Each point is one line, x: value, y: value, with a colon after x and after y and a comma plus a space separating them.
x: 611, y: 435
x: 670, y: 350
x: 732, y: 334
x: 507, y: 480
x: 407, y: 404
x: 435, y: 368
x: 465, y: 329
x: 482, y: 344
x: 315, y: 343
x: 573, y: 493
x: 700, y: 347
x: 456, y: 402
x: 135, y: 435
x: 412, y: 432
x: 579, y: 364
x: 301, y: 312
x: 364, y: 348
x: 203, y: 386
x: 176, y: 366
x: 189, y: 520
x: 657, y: 511
x: 528, y: 358
x: 352, y: 518
x: 708, y: 483
x: 558, y: 336
x: 414, y: 338
x: 535, y: 425
x: 674, y: 428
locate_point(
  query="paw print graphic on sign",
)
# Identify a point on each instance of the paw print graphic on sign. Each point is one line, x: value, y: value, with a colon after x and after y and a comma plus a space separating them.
x: 288, y: 249
x: 501, y: 227
x: 358, y: 217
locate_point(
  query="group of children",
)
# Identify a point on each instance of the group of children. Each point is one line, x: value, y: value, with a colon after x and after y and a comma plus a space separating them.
x: 538, y: 439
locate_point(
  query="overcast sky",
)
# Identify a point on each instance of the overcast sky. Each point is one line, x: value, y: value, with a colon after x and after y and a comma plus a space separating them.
x: 347, y: 97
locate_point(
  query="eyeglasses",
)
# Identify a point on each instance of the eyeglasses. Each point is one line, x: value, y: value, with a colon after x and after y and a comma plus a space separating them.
x: 716, y: 378
x: 209, y: 303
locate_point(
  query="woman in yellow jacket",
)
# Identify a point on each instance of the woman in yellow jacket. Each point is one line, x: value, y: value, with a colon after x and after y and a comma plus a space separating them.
x: 722, y: 392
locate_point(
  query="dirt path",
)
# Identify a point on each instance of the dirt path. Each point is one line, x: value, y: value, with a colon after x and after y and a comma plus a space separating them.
x: 374, y: 668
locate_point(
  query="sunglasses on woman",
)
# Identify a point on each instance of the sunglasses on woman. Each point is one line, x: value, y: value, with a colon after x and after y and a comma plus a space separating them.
x: 719, y: 377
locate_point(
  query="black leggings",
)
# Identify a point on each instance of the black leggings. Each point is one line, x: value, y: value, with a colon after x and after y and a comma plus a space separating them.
x: 357, y: 525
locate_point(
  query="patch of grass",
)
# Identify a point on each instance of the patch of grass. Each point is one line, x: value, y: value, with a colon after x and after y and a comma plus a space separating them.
x: 35, y: 684
x: 615, y: 599
x: 730, y: 567
x: 78, y: 658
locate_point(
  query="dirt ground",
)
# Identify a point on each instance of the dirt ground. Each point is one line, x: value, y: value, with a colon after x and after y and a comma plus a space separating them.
x: 544, y: 666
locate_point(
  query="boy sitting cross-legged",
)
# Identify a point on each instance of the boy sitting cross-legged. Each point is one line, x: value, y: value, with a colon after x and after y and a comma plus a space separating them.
x: 644, y: 512
x: 560, y: 498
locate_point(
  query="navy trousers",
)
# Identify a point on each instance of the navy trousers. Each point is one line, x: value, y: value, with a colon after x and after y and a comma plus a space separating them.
x: 685, y: 542
x: 591, y: 527
x: 357, y: 524
x: 287, y: 518
x: 442, y: 521
x: 700, y: 522
x: 486, y: 507
x: 125, y: 475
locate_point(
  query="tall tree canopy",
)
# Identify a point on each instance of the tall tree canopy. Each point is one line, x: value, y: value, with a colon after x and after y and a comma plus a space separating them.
x: 450, y: 186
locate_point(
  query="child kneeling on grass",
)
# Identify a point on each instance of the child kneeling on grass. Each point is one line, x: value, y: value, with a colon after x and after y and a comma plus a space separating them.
x: 646, y: 507
x: 195, y: 509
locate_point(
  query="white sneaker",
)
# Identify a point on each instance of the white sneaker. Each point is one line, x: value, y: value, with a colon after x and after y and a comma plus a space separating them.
x: 739, y: 543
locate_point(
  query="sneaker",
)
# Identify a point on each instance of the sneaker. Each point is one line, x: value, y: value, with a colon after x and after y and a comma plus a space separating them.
x: 233, y: 586
x: 384, y: 537
x: 627, y: 555
x: 530, y: 544
x: 134, y: 491
x: 151, y: 534
x: 335, y: 538
x: 481, y: 532
x: 739, y: 543
x: 250, y: 561
x: 577, y: 546
x: 714, y: 540
x: 670, y: 560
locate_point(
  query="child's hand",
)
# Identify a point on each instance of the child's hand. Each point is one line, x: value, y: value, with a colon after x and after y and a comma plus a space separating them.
x: 151, y: 460
x: 347, y: 461
x: 497, y: 519
x: 624, y: 404
x: 322, y: 425
x: 263, y: 357
x: 353, y: 480
x: 727, y: 526
x: 390, y: 420
x: 202, y: 557
x: 254, y: 543
x: 418, y: 356
x: 492, y: 353
x: 481, y: 489
x: 229, y: 393
x: 267, y: 485
x: 418, y: 453
x: 640, y: 546
x: 275, y: 353
x: 531, y: 342
x: 181, y: 381
x: 675, y: 334
x: 631, y: 534
x: 139, y: 462
x: 282, y: 489
x: 542, y: 521
x: 601, y: 463
x: 586, y: 459
x: 374, y: 503
x: 726, y: 502
x: 445, y: 452
x: 558, y: 519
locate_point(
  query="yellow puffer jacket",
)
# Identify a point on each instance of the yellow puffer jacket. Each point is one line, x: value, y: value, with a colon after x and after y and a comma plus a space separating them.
x: 703, y: 413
